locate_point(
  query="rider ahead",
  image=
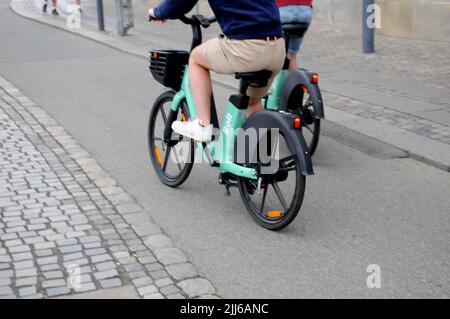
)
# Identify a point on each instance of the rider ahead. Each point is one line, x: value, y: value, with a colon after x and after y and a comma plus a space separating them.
x: 252, y: 41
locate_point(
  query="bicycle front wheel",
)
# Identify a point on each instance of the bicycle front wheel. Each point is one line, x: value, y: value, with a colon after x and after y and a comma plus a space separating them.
x: 172, y: 160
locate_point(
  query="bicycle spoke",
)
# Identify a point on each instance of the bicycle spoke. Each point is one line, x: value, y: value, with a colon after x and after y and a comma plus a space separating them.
x: 280, y: 195
x: 290, y: 158
x: 285, y: 159
x: 166, y: 158
x: 306, y: 125
x: 178, y: 160
x: 263, y: 199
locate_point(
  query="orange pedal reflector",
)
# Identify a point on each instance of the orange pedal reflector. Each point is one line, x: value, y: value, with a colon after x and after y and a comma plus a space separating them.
x: 274, y: 214
x: 158, y: 156
x: 183, y: 118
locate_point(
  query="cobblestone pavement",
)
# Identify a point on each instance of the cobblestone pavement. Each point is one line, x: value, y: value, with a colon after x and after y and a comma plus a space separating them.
x: 407, y: 82
x: 64, y: 220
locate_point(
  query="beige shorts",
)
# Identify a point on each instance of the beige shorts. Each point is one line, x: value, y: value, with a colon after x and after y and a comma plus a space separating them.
x: 231, y: 56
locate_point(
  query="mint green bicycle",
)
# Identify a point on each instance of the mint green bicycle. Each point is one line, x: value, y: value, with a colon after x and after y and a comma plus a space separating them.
x: 273, y: 197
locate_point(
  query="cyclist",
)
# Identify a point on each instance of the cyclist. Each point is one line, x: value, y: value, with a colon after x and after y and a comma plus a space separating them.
x: 252, y: 41
x: 295, y: 11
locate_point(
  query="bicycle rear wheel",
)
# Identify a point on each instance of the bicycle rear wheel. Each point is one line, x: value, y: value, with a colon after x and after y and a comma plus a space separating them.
x: 276, y: 203
x: 171, y: 161
x: 302, y: 105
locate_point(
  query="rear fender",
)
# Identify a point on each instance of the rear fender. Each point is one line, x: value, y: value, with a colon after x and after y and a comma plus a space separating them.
x: 284, y: 122
x: 291, y: 88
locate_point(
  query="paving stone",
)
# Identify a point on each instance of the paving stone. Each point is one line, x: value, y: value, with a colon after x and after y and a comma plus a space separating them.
x: 169, y: 290
x: 110, y: 283
x: 23, y: 264
x: 176, y: 296
x: 182, y: 271
x: 106, y: 274
x: 84, y: 287
x: 159, y: 274
x: 72, y: 256
x: 147, y: 290
x: 158, y: 241
x: 143, y: 281
x: 144, y: 228
x: 53, y: 274
x: 43, y: 253
x: 105, y: 266
x: 5, y: 291
x: 163, y: 282
x: 70, y: 249
x: 169, y: 256
x: 22, y: 256
x: 53, y: 292
x: 27, y: 291
x: 50, y: 267
x: 154, y: 296
x: 100, y: 258
x: 26, y: 272
x: 196, y: 287
x: 54, y: 283
x: 28, y: 281
x: 47, y: 260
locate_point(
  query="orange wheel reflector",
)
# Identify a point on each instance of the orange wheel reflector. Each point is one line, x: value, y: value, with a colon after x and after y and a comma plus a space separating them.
x: 183, y: 118
x: 274, y: 214
x: 158, y: 156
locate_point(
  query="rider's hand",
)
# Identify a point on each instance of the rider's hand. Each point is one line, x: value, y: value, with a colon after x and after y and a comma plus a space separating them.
x: 151, y: 13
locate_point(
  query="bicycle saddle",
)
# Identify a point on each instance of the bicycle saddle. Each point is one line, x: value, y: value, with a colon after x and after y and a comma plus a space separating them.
x: 295, y: 29
x: 255, y: 79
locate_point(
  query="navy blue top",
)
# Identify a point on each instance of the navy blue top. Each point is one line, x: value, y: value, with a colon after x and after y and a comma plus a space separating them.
x: 239, y: 19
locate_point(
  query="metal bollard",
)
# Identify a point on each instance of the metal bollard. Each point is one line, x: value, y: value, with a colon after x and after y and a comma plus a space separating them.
x: 125, y: 16
x: 100, y: 17
x: 368, y: 32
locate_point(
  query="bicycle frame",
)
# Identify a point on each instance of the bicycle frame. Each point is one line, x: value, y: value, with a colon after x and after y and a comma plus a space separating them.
x: 272, y: 102
x: 217, y: 153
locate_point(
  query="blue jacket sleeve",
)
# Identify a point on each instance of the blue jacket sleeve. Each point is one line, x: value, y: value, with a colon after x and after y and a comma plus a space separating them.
x: 173, y: 9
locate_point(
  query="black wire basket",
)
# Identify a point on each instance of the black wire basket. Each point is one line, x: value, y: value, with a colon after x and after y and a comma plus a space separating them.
x: 167, y: 67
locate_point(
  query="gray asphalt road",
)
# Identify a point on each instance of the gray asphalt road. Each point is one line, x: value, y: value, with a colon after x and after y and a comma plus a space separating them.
x: 364, y: 206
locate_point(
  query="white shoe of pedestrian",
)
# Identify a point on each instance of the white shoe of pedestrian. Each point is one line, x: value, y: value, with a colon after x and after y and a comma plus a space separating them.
x: 194, y: 130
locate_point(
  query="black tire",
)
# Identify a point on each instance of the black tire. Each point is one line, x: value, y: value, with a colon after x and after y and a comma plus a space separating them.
x: 247, y: 189
x: 157, y: 122
x: 310, y: 125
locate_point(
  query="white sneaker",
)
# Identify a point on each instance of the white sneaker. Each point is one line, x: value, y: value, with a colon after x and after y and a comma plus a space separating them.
x: 194, y: 130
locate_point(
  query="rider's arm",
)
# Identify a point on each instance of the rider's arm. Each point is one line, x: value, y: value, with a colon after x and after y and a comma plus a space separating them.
x: 173, y: 9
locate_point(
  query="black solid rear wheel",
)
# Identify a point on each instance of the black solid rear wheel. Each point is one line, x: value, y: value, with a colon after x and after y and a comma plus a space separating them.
x: 302, y: 105
x: 279, y: 199
x: 172, y: 161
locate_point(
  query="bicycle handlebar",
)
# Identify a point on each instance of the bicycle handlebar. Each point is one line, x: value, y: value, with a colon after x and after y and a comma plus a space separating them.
x: 193, y: 20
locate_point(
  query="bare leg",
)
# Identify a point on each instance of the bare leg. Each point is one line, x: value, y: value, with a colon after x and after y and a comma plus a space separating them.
x: 200, y: 81
x: 254, y: 105
x: 293, y: 64
x: 54, y: 3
